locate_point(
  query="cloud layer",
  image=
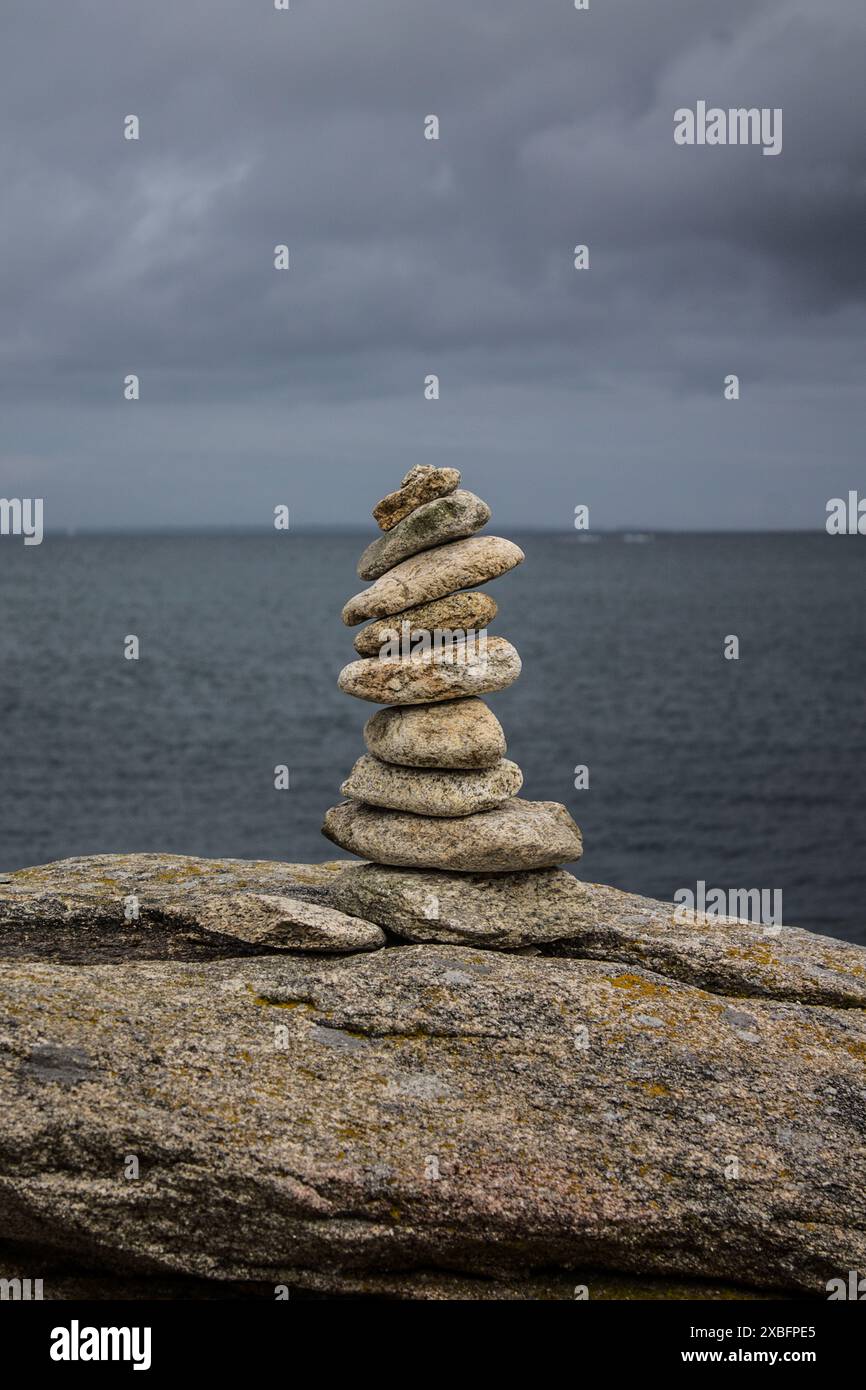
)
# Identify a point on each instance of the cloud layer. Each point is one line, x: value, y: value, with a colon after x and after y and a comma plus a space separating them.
x: 410, y: 257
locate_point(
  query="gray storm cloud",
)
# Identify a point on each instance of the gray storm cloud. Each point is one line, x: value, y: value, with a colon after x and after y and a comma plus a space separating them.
x: 410, y: 257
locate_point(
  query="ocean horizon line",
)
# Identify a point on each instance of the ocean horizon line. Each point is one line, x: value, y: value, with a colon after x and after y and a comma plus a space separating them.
x: 315, y: 528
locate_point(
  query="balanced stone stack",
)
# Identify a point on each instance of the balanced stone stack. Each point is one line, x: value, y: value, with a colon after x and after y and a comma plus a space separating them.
x: 435, y: 790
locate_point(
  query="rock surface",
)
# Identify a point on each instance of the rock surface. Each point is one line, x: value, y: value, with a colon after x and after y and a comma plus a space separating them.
x: 452, y: 673
x: 517, y: 835
x: 421, y: 484
x: 458, y: 734
x: 432, y: 575
x: 552, y: 909
x: 282, y: 923
x: 448, y: 518
x: 68, y: 1277
x: 506, y: 911
x: 456, y: 613
x: 106, y: 907
x: 429, y: 1120
x: 432, y: 791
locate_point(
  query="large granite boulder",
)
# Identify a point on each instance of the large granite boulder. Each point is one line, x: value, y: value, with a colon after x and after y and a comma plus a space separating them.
x: 425, y: 1120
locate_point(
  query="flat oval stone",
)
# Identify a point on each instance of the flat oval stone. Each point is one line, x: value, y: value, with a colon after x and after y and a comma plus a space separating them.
x: 444, y: 519
x: 505, y: 911
x: 458, y: 734
x: 433, y: 574
x: 464, y: 668
x: 457, y: 612
x: 289, y: 924
x: 421, y: 484
x: 432, y: 791
x: 516, y: 835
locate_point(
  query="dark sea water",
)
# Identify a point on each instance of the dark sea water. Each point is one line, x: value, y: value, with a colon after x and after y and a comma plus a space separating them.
x: 743, y: 774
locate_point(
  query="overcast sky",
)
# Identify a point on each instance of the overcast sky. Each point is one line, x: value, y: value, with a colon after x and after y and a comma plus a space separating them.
x: 411, y: 257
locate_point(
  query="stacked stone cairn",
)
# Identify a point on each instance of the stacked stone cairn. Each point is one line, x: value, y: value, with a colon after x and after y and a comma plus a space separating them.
x: 435, y: 790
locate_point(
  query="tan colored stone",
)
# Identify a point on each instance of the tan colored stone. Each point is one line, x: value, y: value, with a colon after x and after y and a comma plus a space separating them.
x: 420, y: 485
x: 516, y: 835
x: 457, y: 613
x: 444, y: 519
x: 457, y: 734
x: 432, y: 575
x: 430, y: 791
x: 263, y: 919
x: 505, y: 911
x: 132, y: 907
x: 464, y: 668
x: 556, y: 1162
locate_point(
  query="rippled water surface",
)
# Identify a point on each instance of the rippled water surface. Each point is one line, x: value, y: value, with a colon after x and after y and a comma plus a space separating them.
x: 748, y: 773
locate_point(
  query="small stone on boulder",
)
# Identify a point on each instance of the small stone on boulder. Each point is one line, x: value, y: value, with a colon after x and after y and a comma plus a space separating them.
x: 505, y: 911
x: 288, y: 924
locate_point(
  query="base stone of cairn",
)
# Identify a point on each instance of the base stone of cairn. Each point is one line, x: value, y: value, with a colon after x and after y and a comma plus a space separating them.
x: 435, y: 793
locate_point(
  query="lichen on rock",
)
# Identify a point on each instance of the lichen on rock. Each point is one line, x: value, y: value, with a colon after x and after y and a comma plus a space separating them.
x: 428, y: 1119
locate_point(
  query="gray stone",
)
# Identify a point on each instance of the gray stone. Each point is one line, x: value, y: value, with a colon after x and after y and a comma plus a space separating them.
x: 456, y: 734
x: 444, y: 519
x: 108, y: 907
x: 517, y: 835
x: 452, y: 673
x: 282, y: 923
x: 457, y: 613
x: 724, y: 954
x: 432, y: 791
x: 436, y: 1121
x: 502, y: 910
x: 432, y: 575
x: 65, y: 1278
x: 552, y: 909
x: 421, y: 484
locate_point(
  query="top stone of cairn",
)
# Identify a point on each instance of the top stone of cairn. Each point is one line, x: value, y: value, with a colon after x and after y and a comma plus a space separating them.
x: 421, y: 484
